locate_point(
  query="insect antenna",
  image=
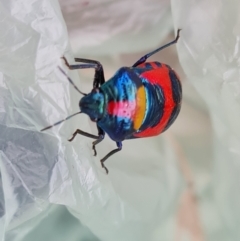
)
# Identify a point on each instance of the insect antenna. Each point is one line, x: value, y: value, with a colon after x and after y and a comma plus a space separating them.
x: 69, y: 79
x: 59, y: 122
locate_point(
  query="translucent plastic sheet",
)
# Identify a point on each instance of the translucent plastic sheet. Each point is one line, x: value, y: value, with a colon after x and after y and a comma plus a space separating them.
x: 113, y: 27
x: 209, y: 54
x: 143, y: 197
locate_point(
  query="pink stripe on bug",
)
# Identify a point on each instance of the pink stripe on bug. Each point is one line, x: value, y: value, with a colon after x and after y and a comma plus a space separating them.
x: 124, y: 109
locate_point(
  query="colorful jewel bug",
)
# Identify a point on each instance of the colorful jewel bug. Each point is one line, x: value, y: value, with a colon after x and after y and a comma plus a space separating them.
x: 138, y: 101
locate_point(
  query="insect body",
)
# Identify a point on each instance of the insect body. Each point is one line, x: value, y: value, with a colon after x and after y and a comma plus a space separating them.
x: 138, y: 101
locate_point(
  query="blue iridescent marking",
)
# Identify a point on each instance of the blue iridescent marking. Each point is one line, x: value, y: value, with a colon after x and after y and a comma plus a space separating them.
x: 121, y: 87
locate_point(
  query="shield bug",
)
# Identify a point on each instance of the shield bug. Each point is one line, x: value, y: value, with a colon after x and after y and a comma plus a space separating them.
x: 138, y: 101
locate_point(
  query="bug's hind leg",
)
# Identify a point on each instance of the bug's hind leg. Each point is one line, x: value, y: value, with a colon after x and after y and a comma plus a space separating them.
x: 145, y: 57
x: 89, y: 63
x: 119, y: 148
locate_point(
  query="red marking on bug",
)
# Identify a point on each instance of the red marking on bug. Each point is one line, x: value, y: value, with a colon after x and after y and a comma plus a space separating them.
x: 122, y: 108
x: 160, y: 77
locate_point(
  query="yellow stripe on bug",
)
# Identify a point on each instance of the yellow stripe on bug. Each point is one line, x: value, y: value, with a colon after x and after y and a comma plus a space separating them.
x: 140, y: 108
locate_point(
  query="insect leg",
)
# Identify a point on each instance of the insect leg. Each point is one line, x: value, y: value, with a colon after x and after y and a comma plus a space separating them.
x: 119, y: 145
x: 101, y: 135
x: 99, y: 75
x: 83, y: 133
x: 145, y: 57
x: 99, y: 138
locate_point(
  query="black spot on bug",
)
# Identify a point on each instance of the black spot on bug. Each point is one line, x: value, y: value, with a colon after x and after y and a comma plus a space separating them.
x: 158, y: 64
x: 176, y: 85
x: 148, y: 65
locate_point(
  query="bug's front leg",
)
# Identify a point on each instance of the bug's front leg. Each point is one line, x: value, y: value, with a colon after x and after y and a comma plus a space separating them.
x: 83, y: 133
x: 119, y: 145
x: 89, y: 63
x: 99, y: 138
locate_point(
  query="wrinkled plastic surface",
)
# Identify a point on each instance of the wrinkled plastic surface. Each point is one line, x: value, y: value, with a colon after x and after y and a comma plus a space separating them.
x: 39, y: 170
x: 142, y: 198
x: 116, y: 27
x: 209, y: 54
